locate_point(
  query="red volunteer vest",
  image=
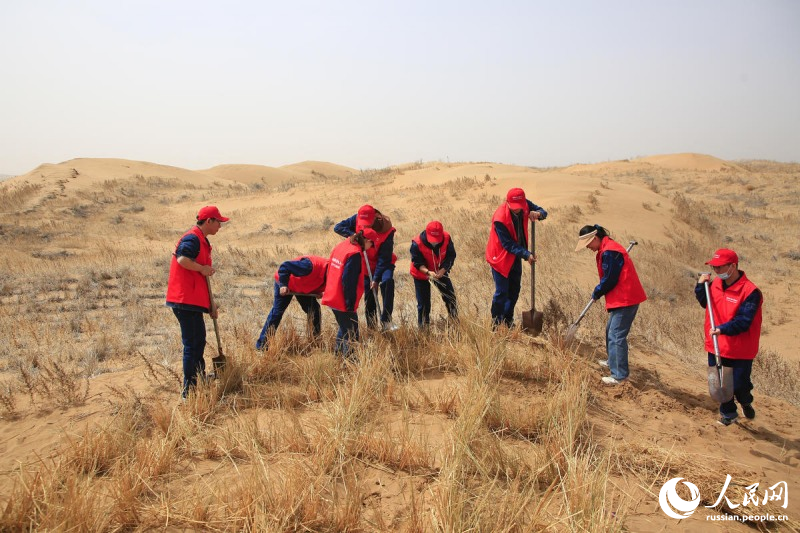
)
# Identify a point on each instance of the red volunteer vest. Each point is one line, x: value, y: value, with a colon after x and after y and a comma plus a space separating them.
x: 314, y: 283
x: 333, y: 296
x: 372, y: 253
x: 725, y: 305
x: 187, y: 286
x: 498, y: 257
x: 432, y: 261
x: 629, y: 290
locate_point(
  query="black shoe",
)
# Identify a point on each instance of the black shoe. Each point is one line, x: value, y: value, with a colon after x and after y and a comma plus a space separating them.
x: 725, y: 421
x: 749, y: 412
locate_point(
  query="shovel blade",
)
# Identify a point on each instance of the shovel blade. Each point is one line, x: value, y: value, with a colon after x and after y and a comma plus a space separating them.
x: 218, y: 363
x: 532, y: 321
x: 569, y: 336
x: 720, y: 384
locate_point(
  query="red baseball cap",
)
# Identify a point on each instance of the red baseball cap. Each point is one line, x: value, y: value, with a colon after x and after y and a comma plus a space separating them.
x: 370, y: 234
x: 516, y: 198
x: 723, y: 256
x: 434, y: 232
x: 365, y: 217
x: 211, y: 211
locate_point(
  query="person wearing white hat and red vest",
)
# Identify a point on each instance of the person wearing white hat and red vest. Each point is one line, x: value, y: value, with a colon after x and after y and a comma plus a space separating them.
x: 506, y: 249
x: 344, y: 286
x: 303, y: 278
x: 620, y: 285
x: 736, y: 303
x: 381, y: 259
x: 187, y: 291
x: 432, y: 257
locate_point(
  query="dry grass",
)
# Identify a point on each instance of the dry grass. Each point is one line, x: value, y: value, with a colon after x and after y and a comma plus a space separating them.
x: 453, y: 429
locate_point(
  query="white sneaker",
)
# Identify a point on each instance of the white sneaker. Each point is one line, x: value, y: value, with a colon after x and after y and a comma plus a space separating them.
x: 389, y: 326
x: 611, y: 380
x: 602, y: 362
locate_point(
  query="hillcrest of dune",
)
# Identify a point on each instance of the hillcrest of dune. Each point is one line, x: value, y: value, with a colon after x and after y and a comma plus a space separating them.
x: 91, y: 171
x: 684, y: 162
x: 688, y: 162
x: 320, y: 167
x: 249, y: 174
x: 270, y: 176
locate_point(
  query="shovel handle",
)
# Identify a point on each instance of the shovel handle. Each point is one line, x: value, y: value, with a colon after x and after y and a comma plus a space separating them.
x: 583, y: 313
x: 213, y: 319
x: 371, y: 281
x: 713, y: 325
x: 533, y: 265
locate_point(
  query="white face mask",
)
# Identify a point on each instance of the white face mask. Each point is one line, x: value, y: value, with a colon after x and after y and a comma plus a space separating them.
x: 725, y: 275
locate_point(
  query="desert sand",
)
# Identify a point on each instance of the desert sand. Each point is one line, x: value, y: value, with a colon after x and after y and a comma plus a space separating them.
x: 88, y: 343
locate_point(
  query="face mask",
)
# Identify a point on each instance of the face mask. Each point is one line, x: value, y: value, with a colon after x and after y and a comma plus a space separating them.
x: 725, y: 275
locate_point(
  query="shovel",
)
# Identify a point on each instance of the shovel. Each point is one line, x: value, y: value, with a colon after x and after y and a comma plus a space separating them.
x: 219, y: 360
x: 371, y: 281
x: 720, y: 379
x: 532, y: 320
x: 569, y: 338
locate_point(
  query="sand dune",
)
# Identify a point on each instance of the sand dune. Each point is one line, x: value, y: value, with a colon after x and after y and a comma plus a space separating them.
x: 682, y: 162
x: 84, y: 280
x: 90, y: 172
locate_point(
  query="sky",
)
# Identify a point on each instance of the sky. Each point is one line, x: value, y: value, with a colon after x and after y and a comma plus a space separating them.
x: 368, y: 84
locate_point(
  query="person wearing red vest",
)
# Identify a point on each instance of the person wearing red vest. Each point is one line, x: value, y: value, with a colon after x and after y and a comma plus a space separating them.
x: 381, y: 261
x: 304, y: 278
x: 344, y: 286
x: 187, y: 291
x: 432, y: 257
x: 736, y: 303
x: 506, y: 249
x: 620, y: 285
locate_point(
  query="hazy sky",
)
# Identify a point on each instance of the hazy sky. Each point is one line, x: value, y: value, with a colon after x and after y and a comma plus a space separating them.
x: 374, y: 83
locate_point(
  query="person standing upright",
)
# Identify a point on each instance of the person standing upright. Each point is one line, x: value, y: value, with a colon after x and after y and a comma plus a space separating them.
x: 620, y: 285
x: 506, y: 249
x: 432, y: 257
x: 188, y: 294
x: 736, y: 303
x: 381, y: 261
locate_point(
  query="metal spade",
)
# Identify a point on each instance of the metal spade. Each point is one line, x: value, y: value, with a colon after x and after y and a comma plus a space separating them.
x: 720, y: 379
x: 532, y: 320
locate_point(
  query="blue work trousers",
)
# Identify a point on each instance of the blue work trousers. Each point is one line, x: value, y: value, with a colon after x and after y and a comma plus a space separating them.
x: 193, y: 335
x: 506, y: 294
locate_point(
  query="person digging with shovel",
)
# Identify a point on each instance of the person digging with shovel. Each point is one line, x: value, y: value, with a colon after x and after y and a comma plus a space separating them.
x: 506, y: 249
x: 303, y: 278
x: 620, y: 285
x: 432, y: 257
x: 736, y: 304
x: 188, y: 292
x: 344, y: 286
x: 381, y: 262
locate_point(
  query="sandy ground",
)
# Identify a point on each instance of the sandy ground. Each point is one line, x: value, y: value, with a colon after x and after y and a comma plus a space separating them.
x: 665, y: 404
